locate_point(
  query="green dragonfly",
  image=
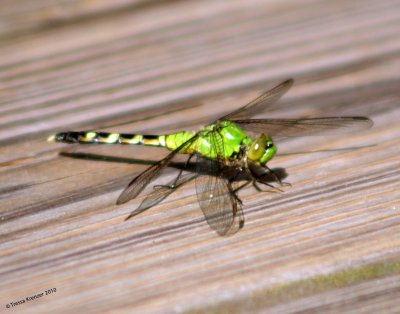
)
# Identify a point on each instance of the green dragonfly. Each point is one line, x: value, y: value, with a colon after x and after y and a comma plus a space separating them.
x: 232, y: 146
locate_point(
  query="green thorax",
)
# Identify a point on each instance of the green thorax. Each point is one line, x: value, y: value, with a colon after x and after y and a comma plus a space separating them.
x: 224, y: 137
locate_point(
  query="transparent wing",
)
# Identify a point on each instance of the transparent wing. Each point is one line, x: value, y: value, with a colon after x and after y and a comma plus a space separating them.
x: 160, y: 193
x: 215, y: 197
x: 142, y: 180
x: 237, y: 211
x: 261, y: 103
x: 220, y: 208
x: 304, y: 127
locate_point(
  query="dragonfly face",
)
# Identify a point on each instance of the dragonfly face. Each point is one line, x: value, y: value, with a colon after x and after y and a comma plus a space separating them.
x: 262, y: 149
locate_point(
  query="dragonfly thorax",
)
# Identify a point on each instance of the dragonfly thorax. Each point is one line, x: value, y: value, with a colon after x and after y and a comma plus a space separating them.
x: 262, y: 149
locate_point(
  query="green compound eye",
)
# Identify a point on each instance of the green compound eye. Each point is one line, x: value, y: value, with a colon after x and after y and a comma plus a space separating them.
x: 270, y: 151
x: 257, y: 148
x: 262, y: 149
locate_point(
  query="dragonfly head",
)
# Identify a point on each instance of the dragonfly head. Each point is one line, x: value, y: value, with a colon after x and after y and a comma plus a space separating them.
x: 262, y: 149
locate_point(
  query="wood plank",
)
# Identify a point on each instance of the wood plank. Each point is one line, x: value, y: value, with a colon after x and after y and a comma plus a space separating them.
x: 329, y: 243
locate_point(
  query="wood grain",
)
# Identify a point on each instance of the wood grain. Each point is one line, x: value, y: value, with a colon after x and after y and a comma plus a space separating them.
x: 329, y: 243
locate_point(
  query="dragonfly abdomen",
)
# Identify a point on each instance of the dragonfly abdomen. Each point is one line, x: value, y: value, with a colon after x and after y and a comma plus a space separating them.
x: 91, y: 137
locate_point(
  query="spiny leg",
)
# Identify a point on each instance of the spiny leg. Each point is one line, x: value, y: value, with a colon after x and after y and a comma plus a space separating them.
x: 276, y: 177
x: 256, y: 186
x: 259, y: 179
x: 173, y: 185
x: 241, y: 187
x: 233, y: 191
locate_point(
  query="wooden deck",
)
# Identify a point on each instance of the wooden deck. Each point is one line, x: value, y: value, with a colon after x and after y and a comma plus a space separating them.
x: 328, y: 244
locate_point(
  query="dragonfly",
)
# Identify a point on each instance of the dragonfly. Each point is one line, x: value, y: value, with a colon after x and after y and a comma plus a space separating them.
x: 231, y: 147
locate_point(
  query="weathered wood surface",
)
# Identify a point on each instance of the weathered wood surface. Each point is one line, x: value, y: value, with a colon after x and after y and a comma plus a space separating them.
x: 330, y: 243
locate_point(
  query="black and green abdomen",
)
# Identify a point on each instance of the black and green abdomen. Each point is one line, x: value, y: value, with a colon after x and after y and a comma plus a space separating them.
x: 170, y: 141
x: 90, y: 137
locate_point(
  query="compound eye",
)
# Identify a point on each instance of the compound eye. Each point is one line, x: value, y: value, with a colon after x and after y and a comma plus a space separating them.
x: 257, y: 148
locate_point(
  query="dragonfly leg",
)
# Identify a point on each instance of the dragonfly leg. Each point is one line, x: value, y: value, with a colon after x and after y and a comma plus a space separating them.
x: 241, y: 187
x: 233, y: 191
x: 257, y: 187
x: 264, y: 178
x: 276, y: 177
x: 173, y: 185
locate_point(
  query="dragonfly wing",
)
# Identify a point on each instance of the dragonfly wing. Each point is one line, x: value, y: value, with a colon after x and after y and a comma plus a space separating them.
x: 142, y: 180
x: 215, y: 197
x: 237, y: 211
x: 160, y: 193
x: 220, y: 208
x: 261, y: 103
x: 304, y: 127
